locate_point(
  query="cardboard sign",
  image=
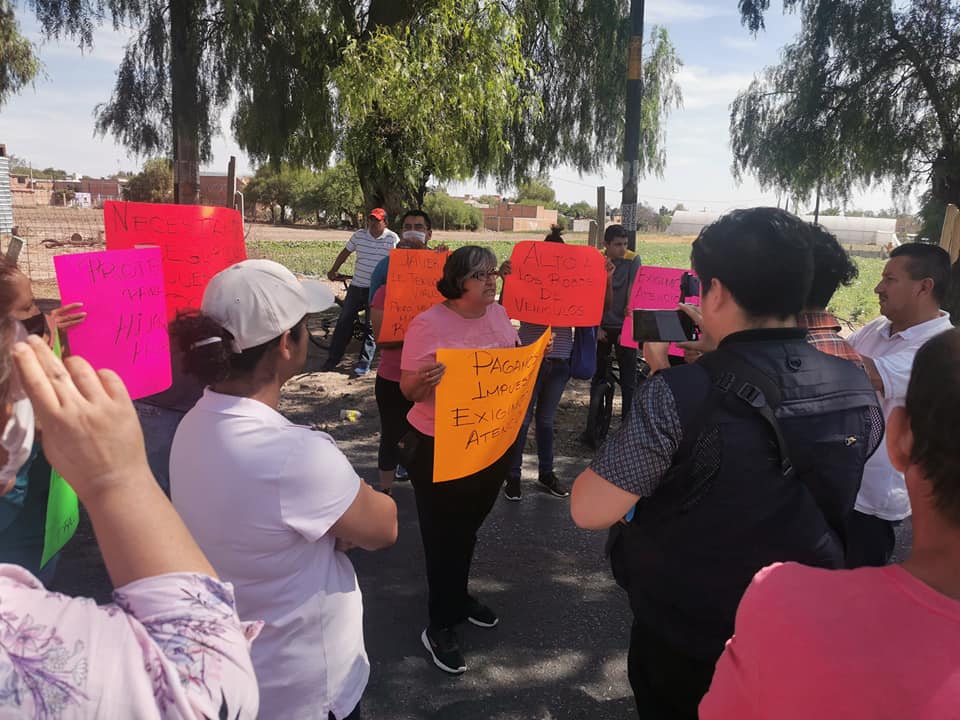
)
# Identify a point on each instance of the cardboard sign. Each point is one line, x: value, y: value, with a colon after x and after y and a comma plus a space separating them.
x: 197, y: 242
x: 63, y: 510
x: 555, y: 284
x: 654, y: 288
x: 126, y: 325
x: 481, y: 403
x: 411, y: 289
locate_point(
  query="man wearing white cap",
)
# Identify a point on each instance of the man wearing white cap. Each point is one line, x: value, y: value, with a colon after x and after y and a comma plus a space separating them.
x: 273, y: 504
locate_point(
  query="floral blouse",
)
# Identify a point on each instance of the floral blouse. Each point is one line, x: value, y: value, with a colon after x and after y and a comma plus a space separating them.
x: 170, y: 646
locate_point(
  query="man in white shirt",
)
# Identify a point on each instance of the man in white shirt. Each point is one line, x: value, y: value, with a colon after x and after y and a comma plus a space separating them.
x: 913, y: 285
x: 372, y: 244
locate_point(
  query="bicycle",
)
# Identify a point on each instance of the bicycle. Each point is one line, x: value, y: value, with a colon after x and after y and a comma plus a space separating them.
x: 328, y: 321
x: 600, y: 412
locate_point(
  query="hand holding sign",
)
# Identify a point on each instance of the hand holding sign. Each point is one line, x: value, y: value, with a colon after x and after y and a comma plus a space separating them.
x: 126, y: 327
x: 481, y: 404
x: 555, y: 284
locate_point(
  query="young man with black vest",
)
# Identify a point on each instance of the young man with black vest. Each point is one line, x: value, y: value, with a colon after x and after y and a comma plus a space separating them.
x: 750, y: 456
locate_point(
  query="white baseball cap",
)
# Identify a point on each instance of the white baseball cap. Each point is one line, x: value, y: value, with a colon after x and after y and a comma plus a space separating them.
x: 259, y: 300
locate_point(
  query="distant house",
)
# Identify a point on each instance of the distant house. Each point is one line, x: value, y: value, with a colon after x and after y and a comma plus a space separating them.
x: 507, y: 217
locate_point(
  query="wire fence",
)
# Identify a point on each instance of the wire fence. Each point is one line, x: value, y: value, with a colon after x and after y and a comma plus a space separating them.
x: 49, y: 231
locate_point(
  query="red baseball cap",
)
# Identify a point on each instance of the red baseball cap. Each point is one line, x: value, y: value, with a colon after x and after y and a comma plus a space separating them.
x: 379, y: 214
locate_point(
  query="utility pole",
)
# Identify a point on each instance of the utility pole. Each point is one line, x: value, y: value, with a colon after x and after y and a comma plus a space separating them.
x: 631, y: 136
x: 601, y: 214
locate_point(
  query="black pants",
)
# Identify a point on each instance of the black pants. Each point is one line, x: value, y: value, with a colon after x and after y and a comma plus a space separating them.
x: 870, y: 540
x: 627, y: 362
x: 450, y: 515
x: 393, y: 407
x: 667, y: 684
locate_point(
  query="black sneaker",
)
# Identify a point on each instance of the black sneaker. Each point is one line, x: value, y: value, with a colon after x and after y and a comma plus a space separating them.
x: 511, y: 490
x: 480, y: 615
x: 553, y: 485
x: 444, y: 648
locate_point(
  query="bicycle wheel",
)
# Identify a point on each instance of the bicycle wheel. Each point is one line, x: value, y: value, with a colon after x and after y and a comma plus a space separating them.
x: 605, y: 411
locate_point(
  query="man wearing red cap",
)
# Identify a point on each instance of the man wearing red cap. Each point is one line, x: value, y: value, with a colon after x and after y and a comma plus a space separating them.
x: 372, y: 244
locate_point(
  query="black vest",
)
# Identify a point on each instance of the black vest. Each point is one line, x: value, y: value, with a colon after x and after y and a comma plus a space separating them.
x: 728, y: 509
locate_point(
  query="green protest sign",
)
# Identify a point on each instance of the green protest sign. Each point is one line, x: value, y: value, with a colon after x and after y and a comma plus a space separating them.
x: 63, y: 510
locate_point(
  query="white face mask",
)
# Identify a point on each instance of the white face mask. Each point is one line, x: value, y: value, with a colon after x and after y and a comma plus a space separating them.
x: 17, y: 436
x: 415, y: 235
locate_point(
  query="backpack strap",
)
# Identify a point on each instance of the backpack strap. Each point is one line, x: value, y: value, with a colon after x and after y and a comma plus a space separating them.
x: 735, y: 377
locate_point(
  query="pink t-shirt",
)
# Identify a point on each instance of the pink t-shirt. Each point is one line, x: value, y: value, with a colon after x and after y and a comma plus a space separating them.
x: 440, y: 327
x: 853, y: 644
x: 389, y: 368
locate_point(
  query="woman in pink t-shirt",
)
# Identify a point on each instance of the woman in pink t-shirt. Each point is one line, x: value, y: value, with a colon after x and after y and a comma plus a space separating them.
x: 451, y: 513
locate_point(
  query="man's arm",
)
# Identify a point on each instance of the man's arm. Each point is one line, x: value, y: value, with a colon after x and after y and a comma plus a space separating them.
x: 335, y: 268
x: 631, y: 464
x: 871, y: 369
x: 596, y: 504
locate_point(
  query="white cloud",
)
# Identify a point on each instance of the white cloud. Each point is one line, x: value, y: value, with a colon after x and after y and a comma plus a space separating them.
x: 703, y: 88
x: 668, y: 11
x: 743, y: 44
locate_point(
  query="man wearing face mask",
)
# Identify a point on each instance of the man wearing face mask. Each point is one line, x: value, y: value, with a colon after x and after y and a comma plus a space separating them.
x: 392, y: 405
x: 23, y: 466
x: 372, y: 244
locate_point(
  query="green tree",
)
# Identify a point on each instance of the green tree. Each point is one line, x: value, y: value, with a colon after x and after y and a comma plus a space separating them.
x: 18, y: 63
x: 870, y: 90
x: 152, y: 184
x: 536, y: 191
x: 331, y: 195
x: 448, y: 213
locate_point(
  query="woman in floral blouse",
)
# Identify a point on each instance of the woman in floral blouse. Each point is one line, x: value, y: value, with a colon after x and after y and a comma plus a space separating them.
x: 171, y: 646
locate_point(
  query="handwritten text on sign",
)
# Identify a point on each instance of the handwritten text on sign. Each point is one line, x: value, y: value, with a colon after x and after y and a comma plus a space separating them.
x: 481, y: 402
x: 197, y: 243
x: 655, y: 288
x: 126, y: 325
x: 411, y: 288
x: 555, y: 284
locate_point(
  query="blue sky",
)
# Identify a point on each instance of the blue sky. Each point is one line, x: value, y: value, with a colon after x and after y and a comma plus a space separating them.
x: 52, y: 122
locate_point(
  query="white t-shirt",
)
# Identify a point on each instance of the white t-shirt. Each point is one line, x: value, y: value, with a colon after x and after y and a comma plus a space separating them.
x: 883, y: 492
x: 370, y: 251
x: 260, y: 494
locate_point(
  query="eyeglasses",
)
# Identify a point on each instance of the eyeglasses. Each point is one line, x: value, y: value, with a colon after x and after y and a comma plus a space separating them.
x: 484, y: 274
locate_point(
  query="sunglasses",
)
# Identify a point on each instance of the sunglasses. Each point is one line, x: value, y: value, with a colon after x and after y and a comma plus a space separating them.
x: 484, y: 274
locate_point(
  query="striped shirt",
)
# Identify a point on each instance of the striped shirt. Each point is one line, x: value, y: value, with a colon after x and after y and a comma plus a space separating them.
x: 370, y: 251
x: 562, y: 341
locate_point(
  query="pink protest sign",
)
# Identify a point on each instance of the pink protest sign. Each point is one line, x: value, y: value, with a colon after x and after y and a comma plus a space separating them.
x: 126, y: 326
x: 654, y: 288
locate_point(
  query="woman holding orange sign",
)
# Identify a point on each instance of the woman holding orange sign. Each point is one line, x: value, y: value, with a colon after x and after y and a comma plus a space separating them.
x: 451, y: 513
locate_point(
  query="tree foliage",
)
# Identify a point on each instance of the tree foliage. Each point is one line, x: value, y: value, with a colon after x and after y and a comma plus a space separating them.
x: 869, y: 90
x: 449, y: 213
x: 18, y: 63
x: 537, y: 190
x: 152, y: 184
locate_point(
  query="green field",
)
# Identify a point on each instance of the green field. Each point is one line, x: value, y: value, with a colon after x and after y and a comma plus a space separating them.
x: 855, y: 305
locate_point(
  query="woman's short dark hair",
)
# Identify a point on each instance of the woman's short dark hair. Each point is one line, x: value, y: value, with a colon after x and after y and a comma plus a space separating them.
x: 762, y: 256
x: 215, y: 362
x: 555, y: 234
x: 832, y: 267
x: 461, y: 264
x: 933, y: 408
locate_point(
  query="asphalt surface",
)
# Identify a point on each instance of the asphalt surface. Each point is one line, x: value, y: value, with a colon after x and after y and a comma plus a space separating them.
x: 559, y: 650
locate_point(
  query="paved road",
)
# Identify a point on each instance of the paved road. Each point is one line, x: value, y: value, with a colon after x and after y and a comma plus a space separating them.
x: 559, y: 650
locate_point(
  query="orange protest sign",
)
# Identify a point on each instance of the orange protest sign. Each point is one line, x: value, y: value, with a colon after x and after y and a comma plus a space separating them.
x: 555, y: 284
x: 411, y: 289
x: 481, y: 402
x: 196, y: 242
